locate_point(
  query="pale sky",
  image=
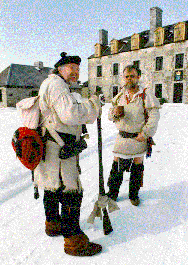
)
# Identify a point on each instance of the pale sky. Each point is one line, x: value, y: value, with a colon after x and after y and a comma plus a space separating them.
x: 39, y: 30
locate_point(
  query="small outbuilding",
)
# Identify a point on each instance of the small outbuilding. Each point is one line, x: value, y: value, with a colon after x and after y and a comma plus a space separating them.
x: 21, y: 81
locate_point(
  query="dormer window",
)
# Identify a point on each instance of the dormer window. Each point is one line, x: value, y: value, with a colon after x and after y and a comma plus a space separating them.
x: 179, y: 32
x: 114, y: 46
x: 135, y: 42
x: 159, y: 36
x: 98, y: 49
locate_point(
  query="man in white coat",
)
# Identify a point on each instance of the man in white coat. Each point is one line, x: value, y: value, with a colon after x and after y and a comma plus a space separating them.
x: 59, y: 177
x: 129, y: 111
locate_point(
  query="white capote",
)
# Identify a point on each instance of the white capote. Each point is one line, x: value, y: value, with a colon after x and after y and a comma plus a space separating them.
x: 67, y: 116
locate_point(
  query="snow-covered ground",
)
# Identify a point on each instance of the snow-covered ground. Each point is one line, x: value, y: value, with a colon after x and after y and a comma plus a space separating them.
x: 155, y: 233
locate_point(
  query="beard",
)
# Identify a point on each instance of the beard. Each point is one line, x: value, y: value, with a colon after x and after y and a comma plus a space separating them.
x: 72, y: 82
x: 131, y: 85
x: 72, y: 79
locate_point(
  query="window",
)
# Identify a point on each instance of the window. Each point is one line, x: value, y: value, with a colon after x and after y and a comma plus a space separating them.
x: 178, y: 75
x: 115, y: 69
x: 115, y: 91
x: 158, y: 90
x: 137, y: 64
x: 99, y: 89
x: 178, y: 93
x: 99, y: 70
x: 33, y: 93
x: 179, y: 61
x: 1, y: 97
x: 159, y: 63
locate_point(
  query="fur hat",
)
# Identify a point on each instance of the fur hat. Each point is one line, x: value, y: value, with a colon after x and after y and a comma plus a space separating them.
x: 67, y: 59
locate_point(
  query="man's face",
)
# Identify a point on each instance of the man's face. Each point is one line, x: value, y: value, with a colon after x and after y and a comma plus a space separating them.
x: 70, y: 72
x: 131, y: 78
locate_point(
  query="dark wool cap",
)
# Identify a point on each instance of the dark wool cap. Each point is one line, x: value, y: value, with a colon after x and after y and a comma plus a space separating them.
x: 67, y: 59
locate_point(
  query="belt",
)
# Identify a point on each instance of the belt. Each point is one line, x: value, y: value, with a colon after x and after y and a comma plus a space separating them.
x: 66, y: 137
x: 127, y: 134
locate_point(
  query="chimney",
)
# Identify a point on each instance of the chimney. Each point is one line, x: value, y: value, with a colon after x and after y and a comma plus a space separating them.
x: 155, y: 21
x: 38, y: 65
x: 103, y: 37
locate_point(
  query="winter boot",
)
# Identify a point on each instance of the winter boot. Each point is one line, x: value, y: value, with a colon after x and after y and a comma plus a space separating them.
x: 53, y: 228
x: 76, y: 242
x: 135, y: 183
x: 114, y: 181
x: 79, y: 245
x: 70, y: 213
x: 53, y: 219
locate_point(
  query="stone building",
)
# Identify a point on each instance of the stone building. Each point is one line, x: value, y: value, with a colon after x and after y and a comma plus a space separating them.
x: 81, y: 88
x: 21, y: 81
x: 161, y: 53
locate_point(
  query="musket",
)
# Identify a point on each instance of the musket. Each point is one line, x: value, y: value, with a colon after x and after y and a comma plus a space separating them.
x: 107, y: 227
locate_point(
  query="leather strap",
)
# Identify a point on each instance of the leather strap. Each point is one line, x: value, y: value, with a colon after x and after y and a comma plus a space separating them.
x: 127, y: 134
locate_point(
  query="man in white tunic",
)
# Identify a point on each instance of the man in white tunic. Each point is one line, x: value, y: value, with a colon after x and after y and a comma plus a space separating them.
x: 59, y: 177
x: 134, y: 130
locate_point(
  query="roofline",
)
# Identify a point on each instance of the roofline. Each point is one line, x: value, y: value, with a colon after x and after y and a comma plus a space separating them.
x: 8, y: 78
x: 129, y: 37
x: 119, y: 53
x: 30, y: 65
x: 92, y: 56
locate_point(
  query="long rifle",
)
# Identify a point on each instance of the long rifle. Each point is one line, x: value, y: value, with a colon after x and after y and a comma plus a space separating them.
x: 107, y: 227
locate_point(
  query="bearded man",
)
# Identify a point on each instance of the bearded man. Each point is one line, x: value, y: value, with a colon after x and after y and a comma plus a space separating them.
x: 128, y: 114
x: 58, y: 173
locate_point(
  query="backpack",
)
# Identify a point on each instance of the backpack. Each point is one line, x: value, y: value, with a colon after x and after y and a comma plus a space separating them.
x: 27, y: 141
x: 28, y: 146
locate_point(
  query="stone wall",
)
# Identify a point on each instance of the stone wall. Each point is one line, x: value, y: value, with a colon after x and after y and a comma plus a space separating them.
x: 14, y: 95
x: 150, y: 77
